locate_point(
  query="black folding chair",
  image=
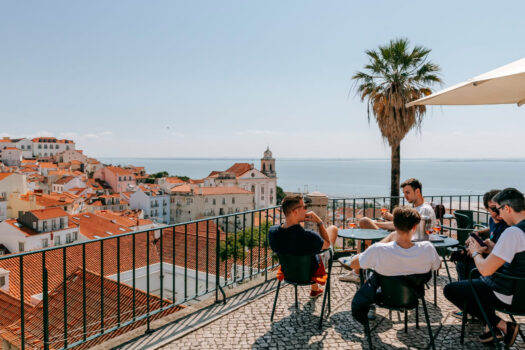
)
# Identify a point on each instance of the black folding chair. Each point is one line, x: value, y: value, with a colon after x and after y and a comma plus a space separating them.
x: 399, y: 293
x: 517, y: 308
x: 298, y: 271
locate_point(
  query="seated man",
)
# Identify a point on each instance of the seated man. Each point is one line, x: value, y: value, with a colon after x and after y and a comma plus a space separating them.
x: 292, y: 238
x: 396, y: 258
x: 506, y: 256
x: 493, y: 232
x: 412, y: 190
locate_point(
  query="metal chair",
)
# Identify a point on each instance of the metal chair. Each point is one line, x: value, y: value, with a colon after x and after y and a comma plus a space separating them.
x: 298, y: 271
x: 401, y: 293
x: 517, y: 308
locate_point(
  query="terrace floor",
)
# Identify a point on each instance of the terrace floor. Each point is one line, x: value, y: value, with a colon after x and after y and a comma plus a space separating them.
x: 244, y: 323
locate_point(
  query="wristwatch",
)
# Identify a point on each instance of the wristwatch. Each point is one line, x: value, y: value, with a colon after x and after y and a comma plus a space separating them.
x: 475, y: 254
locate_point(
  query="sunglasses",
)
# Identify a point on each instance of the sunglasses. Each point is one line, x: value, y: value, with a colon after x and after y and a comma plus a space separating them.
x: 503, y: 206
x: 495, y: 210
x: 301, y: 206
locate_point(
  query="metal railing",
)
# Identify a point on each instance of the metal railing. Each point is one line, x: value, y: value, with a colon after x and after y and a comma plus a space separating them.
x: 340, y: 210
x: 82, y: 291
x: 85, y: 290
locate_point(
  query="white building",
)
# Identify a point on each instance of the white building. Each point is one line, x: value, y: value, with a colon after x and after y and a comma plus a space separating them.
x: 11, y: 156
x: 37, y: 229
x: 191, y: 202
x: 50, y: 146
x: 153, y: 201
x: 70, y: 155
x: 262, y: 183
x: 66, y: 183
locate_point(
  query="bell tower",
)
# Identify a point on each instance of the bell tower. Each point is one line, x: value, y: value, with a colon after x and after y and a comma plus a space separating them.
x: 268, y: 164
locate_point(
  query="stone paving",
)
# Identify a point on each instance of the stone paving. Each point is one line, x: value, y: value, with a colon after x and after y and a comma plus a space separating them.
x: 249, y: 326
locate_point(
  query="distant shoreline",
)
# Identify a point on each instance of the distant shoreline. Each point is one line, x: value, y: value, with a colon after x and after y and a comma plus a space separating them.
x: 330, y: 159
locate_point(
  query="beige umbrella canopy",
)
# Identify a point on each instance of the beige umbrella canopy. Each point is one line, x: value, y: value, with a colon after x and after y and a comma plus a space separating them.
x: 502, y: 85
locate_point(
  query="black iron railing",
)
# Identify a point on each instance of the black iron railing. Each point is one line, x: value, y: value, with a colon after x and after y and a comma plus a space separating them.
x: 82, y: 291
x: 341, y: 210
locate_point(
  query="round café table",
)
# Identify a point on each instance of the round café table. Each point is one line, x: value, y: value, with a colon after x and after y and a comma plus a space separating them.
x: 362, y: 234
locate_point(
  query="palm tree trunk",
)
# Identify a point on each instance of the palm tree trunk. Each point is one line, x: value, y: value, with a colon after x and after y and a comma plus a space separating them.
x: 395, y: 170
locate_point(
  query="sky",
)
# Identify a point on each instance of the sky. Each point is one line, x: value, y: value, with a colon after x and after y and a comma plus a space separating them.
x: 229, y: 78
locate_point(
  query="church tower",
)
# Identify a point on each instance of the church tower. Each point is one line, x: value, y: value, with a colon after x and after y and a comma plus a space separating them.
x: 268, y: 164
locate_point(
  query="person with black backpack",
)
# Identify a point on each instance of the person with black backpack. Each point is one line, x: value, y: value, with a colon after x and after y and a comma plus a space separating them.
x: 506, y: 256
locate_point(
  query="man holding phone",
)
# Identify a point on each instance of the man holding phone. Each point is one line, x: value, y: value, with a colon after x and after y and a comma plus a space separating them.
x: 292, y: 238
x: 506, y: 256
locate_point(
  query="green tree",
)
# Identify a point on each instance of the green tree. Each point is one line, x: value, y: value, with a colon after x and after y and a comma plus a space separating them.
x: 280, y: 194
x: 394, y: 76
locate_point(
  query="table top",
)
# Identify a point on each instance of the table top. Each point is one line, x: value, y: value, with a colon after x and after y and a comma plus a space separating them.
x: 363, y: 234
x: 448, y: 242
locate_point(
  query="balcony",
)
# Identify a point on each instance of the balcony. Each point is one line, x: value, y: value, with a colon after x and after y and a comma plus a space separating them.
x: 115, y: 291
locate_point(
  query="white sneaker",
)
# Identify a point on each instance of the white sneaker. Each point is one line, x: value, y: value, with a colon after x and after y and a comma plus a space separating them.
x: 351, y: 277
x: 345, y: 262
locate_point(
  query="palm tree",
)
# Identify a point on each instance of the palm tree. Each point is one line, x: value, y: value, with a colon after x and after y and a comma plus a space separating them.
x: 394, y: 76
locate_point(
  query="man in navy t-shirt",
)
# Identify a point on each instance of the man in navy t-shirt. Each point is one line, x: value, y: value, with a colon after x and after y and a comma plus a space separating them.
x: 291, y: 238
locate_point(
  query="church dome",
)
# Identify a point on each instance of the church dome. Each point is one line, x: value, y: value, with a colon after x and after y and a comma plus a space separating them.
x: 268, y: 153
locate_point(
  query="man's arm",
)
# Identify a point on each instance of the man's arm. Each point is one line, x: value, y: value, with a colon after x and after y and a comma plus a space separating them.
x: 486, y: 266
x: 386, y: 225
x: 354, y: 264
x: 311, y: 216
x: 391, y: 237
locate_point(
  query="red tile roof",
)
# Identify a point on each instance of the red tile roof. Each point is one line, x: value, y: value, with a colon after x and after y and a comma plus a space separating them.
x: 119, y: 171
x: 94, y: 226
x: 49, y: 213
x: 4, y: 175
x: 239, y: 168
x: 64, y: 180
x: 75, y: 306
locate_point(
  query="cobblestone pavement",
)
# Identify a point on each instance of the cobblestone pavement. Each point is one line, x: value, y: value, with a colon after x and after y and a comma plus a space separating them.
x: 249, y: 327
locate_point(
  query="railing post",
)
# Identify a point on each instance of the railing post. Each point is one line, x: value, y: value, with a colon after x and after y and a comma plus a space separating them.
x: 318, y: 203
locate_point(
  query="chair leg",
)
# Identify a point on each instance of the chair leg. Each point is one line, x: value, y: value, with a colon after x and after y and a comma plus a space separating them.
x: 368, y: 335
x: 275, y: 300
x: 417, y: 315
x: 519, y: 329
x: 463, y: 323
x: 446, y: 267
x: 296, y: 303
x: 326, y: 295
x: 435, y: 287
x: 427, y: 319
x: 406, y: 321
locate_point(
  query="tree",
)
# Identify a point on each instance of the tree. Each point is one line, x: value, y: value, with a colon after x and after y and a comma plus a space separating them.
x: 394, y: 76
x: 280, y: 194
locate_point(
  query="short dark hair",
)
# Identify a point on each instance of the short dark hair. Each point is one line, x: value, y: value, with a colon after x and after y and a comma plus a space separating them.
x: 405, y: 218
x: 511, y: 197
x: 290, y: 202
x: 488, y: 197
x: 414, y: 183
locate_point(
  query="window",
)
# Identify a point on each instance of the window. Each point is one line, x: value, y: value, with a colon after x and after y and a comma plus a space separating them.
x: 271, y: 190
x: 67, y: 148
x: 39, y: 146
x: 214, y: 201
x: 2, y: 281
x: 205, y: 200
x: 28, y: 146
x: 61, y: 222
x: 223, y: 200
x: 56, y: 146
x: 45, y: 243
x: 262, y: 189
x: 120, y: 178
x: 57, y: 240
x: 44, y: 226
x: 22, y: 147
x: 21, y: 246
x: 253, y: 189
x: 262, y: 198
x: 45, y: 146
x: 75, y: 236
x: 34, y: 225
x: 68, y: 238
x: 233, y: 200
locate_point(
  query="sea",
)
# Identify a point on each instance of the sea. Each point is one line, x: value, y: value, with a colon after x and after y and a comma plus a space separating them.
x: 357, y: 177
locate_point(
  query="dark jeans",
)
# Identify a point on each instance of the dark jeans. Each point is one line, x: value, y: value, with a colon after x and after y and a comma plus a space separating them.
x: 459, y: 292
x: 463, y: 268
x: 364, y: 298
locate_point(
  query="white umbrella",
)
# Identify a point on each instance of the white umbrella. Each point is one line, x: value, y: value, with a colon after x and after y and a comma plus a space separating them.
x: 502, y: 85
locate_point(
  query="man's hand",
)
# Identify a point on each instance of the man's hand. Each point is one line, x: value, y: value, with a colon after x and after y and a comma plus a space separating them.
x: 474, y: 246
x: 387, y: 216
x: 490, y: 245
x: 312, y: 217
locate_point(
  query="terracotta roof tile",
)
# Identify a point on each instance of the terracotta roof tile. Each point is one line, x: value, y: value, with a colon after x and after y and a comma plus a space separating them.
x: 239, y: 168
x: 4, y: 175
x: 44, y: 214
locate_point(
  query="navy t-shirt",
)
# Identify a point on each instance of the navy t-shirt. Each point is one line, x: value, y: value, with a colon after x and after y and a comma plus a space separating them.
x: 294, y: 240
x: 496, y: 229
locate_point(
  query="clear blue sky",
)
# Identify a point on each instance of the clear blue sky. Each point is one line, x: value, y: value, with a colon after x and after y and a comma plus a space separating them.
x: 227, y: 78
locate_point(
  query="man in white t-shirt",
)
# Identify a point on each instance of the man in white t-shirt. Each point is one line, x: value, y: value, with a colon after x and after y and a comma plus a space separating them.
x: 507, y: 256
x: 412, y: 190
x: 399, y: 257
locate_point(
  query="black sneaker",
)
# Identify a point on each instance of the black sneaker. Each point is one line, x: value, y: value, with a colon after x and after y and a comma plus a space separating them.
x: 487, y: 336
x: 512, y: 332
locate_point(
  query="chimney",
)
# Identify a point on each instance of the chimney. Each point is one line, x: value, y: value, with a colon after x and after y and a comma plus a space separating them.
x: 4, y: 280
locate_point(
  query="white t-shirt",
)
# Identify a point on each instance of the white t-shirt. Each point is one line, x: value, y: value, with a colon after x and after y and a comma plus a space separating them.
x: 510, y: 243
x: 426, y: 209
x: 390, y: 259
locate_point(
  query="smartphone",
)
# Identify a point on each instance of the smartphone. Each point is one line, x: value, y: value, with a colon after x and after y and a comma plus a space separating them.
x: 479, y: 240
